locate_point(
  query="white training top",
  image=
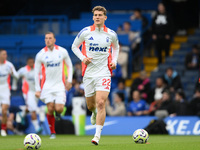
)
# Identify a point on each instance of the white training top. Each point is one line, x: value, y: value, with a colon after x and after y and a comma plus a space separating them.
x: 51, y: 64
x: 97, y: 44
x: 28, y: 78
x: 6, y: 70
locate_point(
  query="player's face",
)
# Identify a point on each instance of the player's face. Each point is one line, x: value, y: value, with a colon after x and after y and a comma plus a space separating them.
x: 49, y: 40
x: 3, y: 56
x: 99, y: 18
x: 30, y: 63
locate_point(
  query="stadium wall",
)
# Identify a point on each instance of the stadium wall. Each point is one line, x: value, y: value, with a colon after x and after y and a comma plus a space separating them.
x: 184, y: 125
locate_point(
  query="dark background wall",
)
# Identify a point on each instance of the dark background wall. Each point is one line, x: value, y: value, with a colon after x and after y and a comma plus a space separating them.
x: 186, y: 13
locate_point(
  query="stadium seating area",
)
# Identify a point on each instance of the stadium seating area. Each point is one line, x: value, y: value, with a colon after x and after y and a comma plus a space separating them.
x: 22, y: 37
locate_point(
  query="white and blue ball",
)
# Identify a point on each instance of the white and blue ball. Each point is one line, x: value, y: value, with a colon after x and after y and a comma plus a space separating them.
x: 32, y: 141
x: 140, y: 136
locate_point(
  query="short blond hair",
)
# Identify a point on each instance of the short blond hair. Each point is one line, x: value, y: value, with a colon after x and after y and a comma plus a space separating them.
x: 100, y: 8
x: 48, y: 32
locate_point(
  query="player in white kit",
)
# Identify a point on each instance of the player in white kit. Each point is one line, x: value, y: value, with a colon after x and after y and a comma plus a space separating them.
x: 50, y: 60
x: 6, y: 71
x: 99, y: 55
x: 28, y: 90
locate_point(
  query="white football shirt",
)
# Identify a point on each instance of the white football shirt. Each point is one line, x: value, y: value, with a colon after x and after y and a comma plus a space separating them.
x: 99, y: 44
x: 51, y: 64
x: 6, y: 70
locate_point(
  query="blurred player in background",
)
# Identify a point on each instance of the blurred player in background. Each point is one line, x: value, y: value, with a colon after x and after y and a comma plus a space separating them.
x: 99, y: 55
x: 28, y: 90
x: 51, y: 60
x: 6, y: 70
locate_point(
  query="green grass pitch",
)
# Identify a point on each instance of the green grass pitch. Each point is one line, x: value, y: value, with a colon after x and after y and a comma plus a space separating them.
x: 71, y: 142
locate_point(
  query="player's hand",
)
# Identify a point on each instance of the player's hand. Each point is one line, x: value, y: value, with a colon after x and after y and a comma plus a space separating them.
x: 37, y: 94
x: 113, y: 66
x: 68, y: 86
x: 87, y: 60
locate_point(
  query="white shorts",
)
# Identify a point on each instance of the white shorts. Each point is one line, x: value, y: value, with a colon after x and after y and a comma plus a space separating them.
x: 54, y: 97
x: 91, y: 85
x: 31, y: 101
x: 5, y: 96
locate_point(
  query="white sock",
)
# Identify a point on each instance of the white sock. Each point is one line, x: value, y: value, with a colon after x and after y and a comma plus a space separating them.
x: 98, y: 130
x: 35, y: 124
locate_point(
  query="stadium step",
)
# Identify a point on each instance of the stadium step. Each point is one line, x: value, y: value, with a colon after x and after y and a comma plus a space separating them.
x: 128, y: 82
x: 150, y: 60
x: 175, y: 46
x: 150, y: 68
x: 180, y: 39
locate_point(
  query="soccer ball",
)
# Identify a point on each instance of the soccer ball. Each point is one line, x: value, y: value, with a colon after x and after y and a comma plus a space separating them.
x: 32, y: 141
x: 140, y: 136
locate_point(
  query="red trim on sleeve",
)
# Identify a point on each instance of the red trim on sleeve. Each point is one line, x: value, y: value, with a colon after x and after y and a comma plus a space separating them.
x: 84, y: 66
x: 8, y: 81
x: 63, y: 73
x: 43, y: 76
x: 110, y: 60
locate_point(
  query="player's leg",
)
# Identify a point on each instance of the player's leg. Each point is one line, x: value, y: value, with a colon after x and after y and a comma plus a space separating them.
x: 32, y: 107
x: 51, y: 118
x: 101, y: 97
x: 91, y: 105
x: 90, y: 97
x: 49, y: 100
x: 59, y: 109
x: 102, y: 89
x: 60, y: 100
x: 4, y: 108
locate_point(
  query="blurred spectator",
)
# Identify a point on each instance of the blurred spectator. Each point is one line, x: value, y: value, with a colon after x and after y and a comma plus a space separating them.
x: 118, y: 108
x: 120, y: 89
x: 166, y: 106
x: 15, y: 122
x: 172, y: 80
x: 157, y: 92
x: 162, y: 31
x: 180, y: 104
x: 116, y: 77
x: 192, y: 59
x: 78, y: 72
x: 76, y: 91
x: 142, y: 84
x: 137, y: 15
x: 138, y: 106
x: 134, y: 37
x: 195, y: 103
x: 123, y: 60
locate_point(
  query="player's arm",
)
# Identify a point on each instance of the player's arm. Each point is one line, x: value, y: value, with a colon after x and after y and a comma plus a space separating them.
x: 14, y: 72
x: 37, y: 77
x: 115, y: 51
x: 69, y: 65
x: 15, y: 76
x: 15, y: 80
x: 77, y: 43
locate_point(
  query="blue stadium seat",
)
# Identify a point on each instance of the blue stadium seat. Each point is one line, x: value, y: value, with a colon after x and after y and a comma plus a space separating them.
x: 124, y: 39
x: 194, y: 39
x: 163, y: 67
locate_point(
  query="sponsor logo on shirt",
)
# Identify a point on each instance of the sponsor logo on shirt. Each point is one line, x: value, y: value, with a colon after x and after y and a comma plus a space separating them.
x: 98, y: 49
x: 53, y: 64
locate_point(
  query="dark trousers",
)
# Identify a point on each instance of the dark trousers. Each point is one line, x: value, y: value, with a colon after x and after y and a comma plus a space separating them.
x: 160, y: 45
